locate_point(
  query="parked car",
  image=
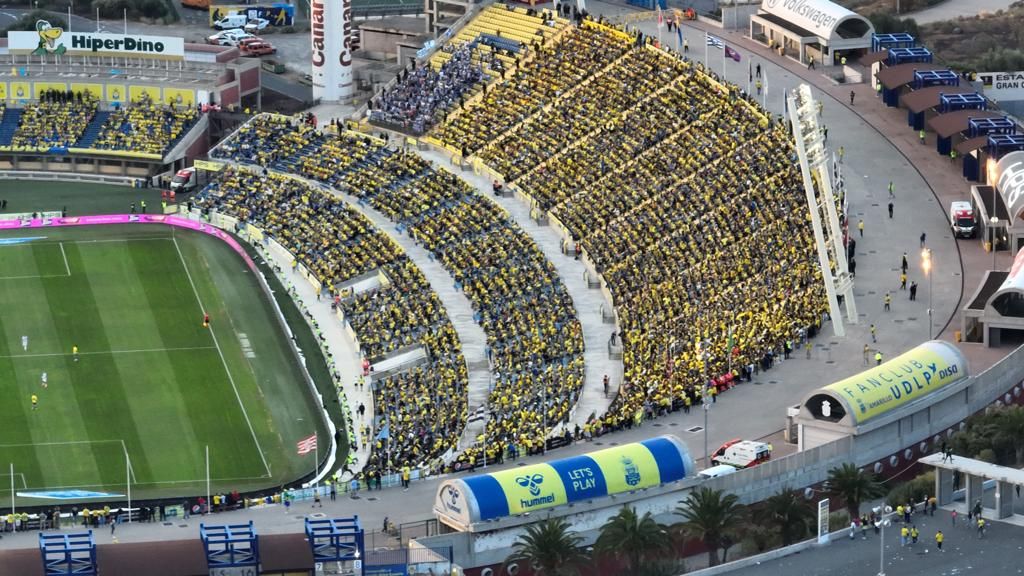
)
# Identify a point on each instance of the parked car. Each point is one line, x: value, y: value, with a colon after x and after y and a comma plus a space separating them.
x: 256, y: 24
x: 256, y: 47
x: 229, y: 38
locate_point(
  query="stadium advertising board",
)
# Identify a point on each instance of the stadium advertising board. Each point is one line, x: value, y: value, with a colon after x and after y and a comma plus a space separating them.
x: 1015, y: 280
x: 525, y: 489
x: 1009, y: 179
x: 1006, y: 86
x: 332, y: 49
x: 275, y: 15
x: 108, y: 219
x: 818, y: 16
x: 905, y: 378
x: 48, y: 40
x: 117, y: 93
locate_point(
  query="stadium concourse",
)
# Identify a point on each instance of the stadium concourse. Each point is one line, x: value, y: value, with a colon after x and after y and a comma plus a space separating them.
x: 878, y: 148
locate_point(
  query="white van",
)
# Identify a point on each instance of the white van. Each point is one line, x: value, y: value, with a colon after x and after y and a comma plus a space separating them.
x: 716, y: 471
x: 231, y: 22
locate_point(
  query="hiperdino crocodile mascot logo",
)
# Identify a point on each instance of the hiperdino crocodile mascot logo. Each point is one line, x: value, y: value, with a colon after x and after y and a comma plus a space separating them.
x: 48, y: 36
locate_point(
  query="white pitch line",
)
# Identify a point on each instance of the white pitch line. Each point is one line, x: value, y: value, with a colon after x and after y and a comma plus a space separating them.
x: 6, y: 484
x: 34, y: 276
x: 65, y: 255
x: 60, y: 443
x: 105, y: 352
x: 231, y: 379
x: 4, y: 489
x: 131, y: 469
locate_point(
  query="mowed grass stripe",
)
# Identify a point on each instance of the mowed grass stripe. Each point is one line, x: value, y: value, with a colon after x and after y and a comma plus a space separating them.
x: 96, y: 380
x: 58, y: 418
x: 158, y: 412
x: 16, y: 414
x: 274, y: 381
x: 201, y: 382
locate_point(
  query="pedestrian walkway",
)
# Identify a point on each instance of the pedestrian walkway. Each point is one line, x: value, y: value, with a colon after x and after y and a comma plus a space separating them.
x: 589, y: 302
x: 459, y: 310
x: 962, y: 551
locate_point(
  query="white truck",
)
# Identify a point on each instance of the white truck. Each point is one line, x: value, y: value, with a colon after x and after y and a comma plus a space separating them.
x: 962, y: 219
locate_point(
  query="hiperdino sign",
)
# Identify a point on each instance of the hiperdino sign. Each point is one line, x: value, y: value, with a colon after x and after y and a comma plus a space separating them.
x: 48, y: 40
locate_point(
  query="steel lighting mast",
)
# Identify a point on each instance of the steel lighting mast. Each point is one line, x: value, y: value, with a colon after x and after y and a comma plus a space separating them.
x: 816, y: 169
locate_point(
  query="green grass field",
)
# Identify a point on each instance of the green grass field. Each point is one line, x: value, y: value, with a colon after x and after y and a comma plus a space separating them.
x: 150, y: 381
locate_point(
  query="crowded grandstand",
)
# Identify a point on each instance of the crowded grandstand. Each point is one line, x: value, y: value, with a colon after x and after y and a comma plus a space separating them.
x: 648, y: 162
x: 60, y: 121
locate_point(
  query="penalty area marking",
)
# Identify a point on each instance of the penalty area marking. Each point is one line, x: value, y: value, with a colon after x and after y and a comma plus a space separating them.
x: 124, y: 449
x: 67, y: 268
x: 223, y: 361
x: 65, y: 255
x: 6, y: 486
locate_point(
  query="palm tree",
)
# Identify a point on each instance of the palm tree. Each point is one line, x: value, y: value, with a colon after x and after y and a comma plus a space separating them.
x: 789, y: 512
x: 852, y: 486
x: 634, y: 537
x: 713, y: 517
x: 550, y: 548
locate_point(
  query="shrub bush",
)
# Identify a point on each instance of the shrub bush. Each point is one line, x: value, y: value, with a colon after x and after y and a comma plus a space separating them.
x: 28, y: 21
x: 916, y: 490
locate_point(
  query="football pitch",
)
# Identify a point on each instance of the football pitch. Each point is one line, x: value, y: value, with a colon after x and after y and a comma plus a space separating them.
x: 150, y: 387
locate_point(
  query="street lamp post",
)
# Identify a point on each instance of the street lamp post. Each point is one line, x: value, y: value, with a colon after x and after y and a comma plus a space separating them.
x: 926, y: 264
x: 992, y: 223
x: 704, y: 355
x: 881, y: 523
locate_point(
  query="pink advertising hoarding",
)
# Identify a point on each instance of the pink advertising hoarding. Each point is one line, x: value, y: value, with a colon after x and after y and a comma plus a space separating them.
x: 109, y: 219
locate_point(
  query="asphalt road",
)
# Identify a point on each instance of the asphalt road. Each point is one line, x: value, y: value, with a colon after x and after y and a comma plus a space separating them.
x: 287, y: 85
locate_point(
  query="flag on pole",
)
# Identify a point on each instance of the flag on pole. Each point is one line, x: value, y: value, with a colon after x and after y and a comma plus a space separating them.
x: 730, y: 53
x: 661, y: 19
x: 679, y: 36
x: 306, y: 445
x: 384, y: 433
x: 713, y: 41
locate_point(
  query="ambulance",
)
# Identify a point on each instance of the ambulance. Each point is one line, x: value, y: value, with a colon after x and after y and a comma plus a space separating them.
x: 961, y: 219
x: 742, y: 453
x: 184, y: 181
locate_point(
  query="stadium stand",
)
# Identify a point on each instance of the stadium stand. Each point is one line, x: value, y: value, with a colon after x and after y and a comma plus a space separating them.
x: 63, y: 120
x: 414, y: 104
x: 54, y: 123
x: 552, y: 70
x: 534, y: 343
x: 682, y: 193
x: 484, y: 50
x: 421, y: 411
x: 144, y: 127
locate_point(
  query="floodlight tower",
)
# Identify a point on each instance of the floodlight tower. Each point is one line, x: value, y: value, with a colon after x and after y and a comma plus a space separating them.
x: 816, y: 169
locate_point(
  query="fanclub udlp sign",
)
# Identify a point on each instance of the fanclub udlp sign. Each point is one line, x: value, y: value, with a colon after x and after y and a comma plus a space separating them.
x: 50, y: 40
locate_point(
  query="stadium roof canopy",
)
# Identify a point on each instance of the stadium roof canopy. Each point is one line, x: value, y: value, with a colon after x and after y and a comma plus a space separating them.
x: 887, y: 388
x: 833, y: 24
